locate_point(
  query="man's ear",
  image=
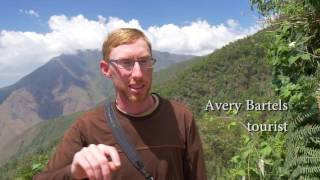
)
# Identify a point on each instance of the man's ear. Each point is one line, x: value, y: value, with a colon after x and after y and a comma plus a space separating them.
x: 104, y: 68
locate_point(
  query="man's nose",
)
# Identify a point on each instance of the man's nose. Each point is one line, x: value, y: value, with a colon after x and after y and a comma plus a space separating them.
x: 136, y: 71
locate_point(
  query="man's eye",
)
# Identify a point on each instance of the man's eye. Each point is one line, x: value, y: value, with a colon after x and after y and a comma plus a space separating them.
x: 126, y: 62
x: 143, y: 61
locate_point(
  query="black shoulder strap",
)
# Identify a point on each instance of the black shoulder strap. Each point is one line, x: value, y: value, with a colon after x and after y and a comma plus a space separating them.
x: 123, y: 141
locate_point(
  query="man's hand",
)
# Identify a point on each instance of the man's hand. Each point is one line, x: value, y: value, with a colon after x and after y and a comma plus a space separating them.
x: 92, y: 162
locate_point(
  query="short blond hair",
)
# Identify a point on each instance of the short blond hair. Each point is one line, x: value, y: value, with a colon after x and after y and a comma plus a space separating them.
x: 122, y: 36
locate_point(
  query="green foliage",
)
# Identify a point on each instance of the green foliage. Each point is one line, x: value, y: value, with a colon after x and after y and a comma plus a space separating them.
x: 25, y: 167
x: 32, y: 165
x: 220, y: 141
x: 294, y: 56
x: 260, y: 156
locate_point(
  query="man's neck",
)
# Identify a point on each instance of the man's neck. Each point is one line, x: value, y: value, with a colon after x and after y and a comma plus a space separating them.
x: 134, y: 107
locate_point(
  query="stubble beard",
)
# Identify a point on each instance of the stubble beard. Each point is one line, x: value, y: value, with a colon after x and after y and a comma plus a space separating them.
x: 138, y: 97
x: 124, y: 91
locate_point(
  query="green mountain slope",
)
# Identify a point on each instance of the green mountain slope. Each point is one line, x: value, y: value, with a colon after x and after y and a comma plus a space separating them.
x: 234, y: 73
x: 35, y: 144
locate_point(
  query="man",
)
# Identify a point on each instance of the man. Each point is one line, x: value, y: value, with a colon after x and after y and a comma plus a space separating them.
x: 163, y: 133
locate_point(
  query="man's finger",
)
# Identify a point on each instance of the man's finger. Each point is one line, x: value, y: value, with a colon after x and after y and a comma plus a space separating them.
x: 84, y: 164
x: 112, y: 152
x: 102, y: 161
x: 95, y: 166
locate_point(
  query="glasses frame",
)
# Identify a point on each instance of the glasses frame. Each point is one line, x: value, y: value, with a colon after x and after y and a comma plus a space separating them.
x: 115, y: 62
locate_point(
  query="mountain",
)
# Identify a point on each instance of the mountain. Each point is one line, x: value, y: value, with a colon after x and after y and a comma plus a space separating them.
x: 64, y: 85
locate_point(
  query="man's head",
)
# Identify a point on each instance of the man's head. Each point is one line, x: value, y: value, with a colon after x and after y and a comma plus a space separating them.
x: 122, y: 36
x: 128, y: 61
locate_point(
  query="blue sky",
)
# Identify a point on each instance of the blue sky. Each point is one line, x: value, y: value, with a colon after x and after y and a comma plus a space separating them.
x: 147, y: 12
x: 32, y: 32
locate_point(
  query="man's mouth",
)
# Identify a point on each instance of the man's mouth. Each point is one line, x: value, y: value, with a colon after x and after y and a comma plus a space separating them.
x: 136, y: 87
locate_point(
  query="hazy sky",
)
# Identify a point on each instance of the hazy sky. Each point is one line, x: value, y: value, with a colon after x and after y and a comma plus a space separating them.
x: 32, y: 32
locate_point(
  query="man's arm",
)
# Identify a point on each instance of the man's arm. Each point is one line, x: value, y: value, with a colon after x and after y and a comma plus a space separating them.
x: 194, y: 168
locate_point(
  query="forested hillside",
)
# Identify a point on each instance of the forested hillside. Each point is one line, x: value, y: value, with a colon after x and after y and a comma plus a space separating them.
x: 235, y: 73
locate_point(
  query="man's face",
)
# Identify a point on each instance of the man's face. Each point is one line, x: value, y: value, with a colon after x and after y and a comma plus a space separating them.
x: 133, y: 84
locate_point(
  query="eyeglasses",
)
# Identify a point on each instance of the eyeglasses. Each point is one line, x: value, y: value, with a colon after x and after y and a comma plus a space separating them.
x: 128, y: 64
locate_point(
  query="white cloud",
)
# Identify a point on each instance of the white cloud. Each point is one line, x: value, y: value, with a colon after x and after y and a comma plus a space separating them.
x: 29, y: 12
x: 197, y: 38
x: 232, y: 23
x: 23, y: 52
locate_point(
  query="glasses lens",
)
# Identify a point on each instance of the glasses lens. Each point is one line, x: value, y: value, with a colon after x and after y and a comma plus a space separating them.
x: 146, y: 63
x: 129, y: 64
